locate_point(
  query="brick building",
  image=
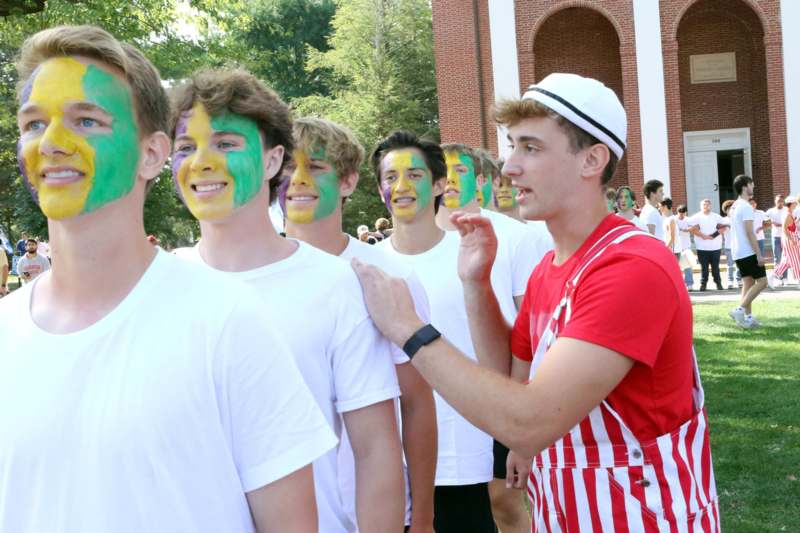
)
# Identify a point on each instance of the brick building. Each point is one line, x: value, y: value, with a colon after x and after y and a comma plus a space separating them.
x: 707, y: 84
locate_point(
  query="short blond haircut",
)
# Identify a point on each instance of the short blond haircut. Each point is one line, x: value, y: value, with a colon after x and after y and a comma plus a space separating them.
x: 149, y: 98
x: 509, y: 113
x: 340, y: 144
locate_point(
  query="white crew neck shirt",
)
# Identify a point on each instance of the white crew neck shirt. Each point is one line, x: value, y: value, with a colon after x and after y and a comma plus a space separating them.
x: 636, y: 221
x: 777, y: 216
x: 683, y: 232
x: 739, y: 212
x: 465, y: 452
x: 708, y: 225
x: 372, y: 255
x: 759, y: 217
x: 676, y: 243
x: 158, y: 417
x: 651, y: 215
x: 33, y: 266
x: 316, y: 301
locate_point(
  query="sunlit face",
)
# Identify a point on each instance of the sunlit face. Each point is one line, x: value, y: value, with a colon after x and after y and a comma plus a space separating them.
x: 309, y: 190
x: 705, y: 206
x: 624, y: 200
x: 460, y: 187
x: 31, y: 247
x: 79, y: 143
x: 484, y: 194
x: 505, y: 194
x: 406, y: 183
x: 217, y: 164
x: 543, y: 167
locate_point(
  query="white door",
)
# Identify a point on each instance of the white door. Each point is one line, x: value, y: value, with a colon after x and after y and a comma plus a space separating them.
x: 701, y: 177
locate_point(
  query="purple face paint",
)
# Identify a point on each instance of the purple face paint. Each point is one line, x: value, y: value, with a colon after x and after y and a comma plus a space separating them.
x: 26, y: 94
x: 283, y: 188
x: 387, y: 197
x: 178, y: 157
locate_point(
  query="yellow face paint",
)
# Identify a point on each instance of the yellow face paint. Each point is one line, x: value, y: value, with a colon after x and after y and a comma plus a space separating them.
x: 57, y: 82
x: 464, y: 183
x: 410, y: 188
x: 201, y: 174
x: 300, y: 184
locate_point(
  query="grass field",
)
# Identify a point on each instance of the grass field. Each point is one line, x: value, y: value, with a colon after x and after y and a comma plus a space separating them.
x: 752, y: 384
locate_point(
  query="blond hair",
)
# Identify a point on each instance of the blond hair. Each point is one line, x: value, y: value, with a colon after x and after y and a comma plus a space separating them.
x: 340, y: 144
x: 149, y: 98
x: 509, y: 113
x: 465, y: 150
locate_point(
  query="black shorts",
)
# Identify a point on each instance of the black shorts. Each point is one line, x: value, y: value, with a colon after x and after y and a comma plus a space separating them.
x: 462, y: 509
x: 749, y: 267
x: 500, y: 456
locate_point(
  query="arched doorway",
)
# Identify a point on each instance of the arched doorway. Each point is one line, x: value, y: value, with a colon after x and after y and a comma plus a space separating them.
x: 583, y: 41
x: 722, y: 76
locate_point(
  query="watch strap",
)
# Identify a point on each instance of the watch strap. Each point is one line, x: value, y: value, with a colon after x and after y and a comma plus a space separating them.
x: 422, y: 337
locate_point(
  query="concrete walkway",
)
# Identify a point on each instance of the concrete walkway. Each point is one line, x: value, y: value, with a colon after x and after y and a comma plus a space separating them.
x: 791, y: 292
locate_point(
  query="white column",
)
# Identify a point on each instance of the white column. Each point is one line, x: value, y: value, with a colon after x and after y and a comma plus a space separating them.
x: 652, y: 100
x: 505, y: 66
x: 790, y: 20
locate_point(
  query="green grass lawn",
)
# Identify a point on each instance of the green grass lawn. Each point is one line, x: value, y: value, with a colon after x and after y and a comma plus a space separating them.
x: 752, y: 384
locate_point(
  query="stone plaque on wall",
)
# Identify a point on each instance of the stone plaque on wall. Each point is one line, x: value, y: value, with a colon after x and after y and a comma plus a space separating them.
x: 713, y: 68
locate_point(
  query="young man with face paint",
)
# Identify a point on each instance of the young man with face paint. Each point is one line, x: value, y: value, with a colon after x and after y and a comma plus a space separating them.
x: 324, y: 148
x: 613, y: 414
x: 626, y: 200
x: 411, y: 177
x: 233, y: 136
x: 139, y: 399
x: 520, y: 248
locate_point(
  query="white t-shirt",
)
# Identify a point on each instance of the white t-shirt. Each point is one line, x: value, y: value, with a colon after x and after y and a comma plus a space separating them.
x: 676, y: 243
x: 465, y: 452
x: 636, y: 221
x: 523, y: 245
x: 684, y: 234
x: 390, y: 264
x: 708, y: 225
x: 652, y: 216
x: 777, y: 216
x: 759, y: 217
x: 158, y: 417
x: 33, y: 266
x: 740, y: 211
x: 315, y: 299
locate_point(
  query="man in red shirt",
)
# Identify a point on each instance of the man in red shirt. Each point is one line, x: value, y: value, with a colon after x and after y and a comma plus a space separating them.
x: 611, y: 423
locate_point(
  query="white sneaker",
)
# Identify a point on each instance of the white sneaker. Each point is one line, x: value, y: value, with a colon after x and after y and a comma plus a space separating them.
x: 750, y: 323
x: 738, y: 315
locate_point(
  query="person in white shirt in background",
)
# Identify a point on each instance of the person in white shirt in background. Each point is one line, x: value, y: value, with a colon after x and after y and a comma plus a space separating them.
x: 671, y: 237
x: 137, y: 392
x: 328, y: 154
x: 32, y: 264
x: 776, y: 215
x: 650, y: 214
x: 232, y: 137
x: 746, y: 253
x: 760, y: 222
x: 706, y: 226
x: 626, y: 200
x: 685, y: 236
x: 734, y: 276
x: 520, y: 248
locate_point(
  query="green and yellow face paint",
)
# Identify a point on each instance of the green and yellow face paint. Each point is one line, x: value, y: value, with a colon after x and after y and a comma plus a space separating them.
x: 311, y: 193
x: 406, y: 183
x: 505, y: 194
x: 461, y: 187
x: 217, y: 164
x: 484, y: 194
x: 624, y: 200
x: 79, y: 142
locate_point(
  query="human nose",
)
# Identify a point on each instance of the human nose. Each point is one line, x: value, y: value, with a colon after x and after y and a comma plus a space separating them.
x: 57, y: 139
x: 403, y: 183
x: 452, y: 175
x: 203, y: 160
x: 301, y: 177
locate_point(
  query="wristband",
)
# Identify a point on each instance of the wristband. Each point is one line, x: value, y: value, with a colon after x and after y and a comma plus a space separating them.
x: 423, y: 336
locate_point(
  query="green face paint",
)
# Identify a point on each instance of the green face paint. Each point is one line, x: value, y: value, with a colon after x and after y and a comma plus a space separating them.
x: 486, y: 192
x: 327, y: 187
x: 464, y: 182
x: 117, y: 154
x: 247, y: 165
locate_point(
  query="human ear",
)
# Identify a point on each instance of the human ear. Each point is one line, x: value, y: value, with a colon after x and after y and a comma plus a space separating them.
x: 595, y: 160
x: 438, y: 186
x: 154, y: 151
x: 273, y: 161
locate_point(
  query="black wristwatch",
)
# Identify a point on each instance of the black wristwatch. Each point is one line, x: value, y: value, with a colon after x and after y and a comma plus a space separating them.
x: 423, y: 336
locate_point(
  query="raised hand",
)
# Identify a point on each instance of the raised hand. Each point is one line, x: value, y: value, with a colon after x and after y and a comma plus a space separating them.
x: 478, y: 246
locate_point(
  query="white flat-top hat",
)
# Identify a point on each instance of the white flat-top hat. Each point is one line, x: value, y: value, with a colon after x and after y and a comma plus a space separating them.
x: 587, y: 103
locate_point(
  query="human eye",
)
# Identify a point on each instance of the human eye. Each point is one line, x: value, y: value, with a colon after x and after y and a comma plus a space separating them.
x: 184, y: 148
x: 88, y: 122
x: 34, y: 125
x: 225, y: 145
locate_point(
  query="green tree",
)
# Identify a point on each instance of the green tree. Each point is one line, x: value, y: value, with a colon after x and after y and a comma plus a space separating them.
x: 382, y: 67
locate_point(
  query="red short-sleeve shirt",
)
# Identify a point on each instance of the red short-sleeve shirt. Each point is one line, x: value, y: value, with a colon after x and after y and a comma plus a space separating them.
x: 631, y: 300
